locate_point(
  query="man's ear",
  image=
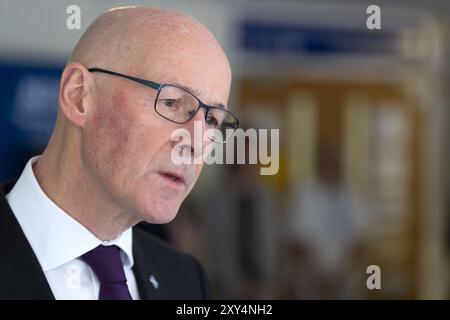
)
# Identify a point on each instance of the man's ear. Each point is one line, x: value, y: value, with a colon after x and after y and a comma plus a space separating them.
x: 75, y: 85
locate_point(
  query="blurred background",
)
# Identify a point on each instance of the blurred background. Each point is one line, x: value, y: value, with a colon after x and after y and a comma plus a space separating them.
x: 363, y: 118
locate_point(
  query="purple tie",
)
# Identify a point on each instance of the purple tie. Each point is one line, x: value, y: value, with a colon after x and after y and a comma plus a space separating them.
x: 107, y: 265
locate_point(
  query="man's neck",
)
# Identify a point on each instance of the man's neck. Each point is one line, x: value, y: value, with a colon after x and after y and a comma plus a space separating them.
x: 63, y: 180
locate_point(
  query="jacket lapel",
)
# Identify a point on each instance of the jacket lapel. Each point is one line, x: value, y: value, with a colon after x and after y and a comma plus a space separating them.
x: 21, y: 276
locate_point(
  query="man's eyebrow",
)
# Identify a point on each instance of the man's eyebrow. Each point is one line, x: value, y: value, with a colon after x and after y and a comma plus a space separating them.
x: 219, y: 105
x: 188, y: 89
x: 196, y: 93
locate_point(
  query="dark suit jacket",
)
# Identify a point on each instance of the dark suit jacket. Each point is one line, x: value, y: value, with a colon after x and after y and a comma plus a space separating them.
x: 21, y: 277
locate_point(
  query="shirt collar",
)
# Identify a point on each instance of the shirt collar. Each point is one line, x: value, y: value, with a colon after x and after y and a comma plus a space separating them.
x: 56, y: 238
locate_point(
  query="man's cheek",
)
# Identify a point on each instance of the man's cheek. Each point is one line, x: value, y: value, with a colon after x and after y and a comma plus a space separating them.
x: 111, y: 154
x: 115, y: 134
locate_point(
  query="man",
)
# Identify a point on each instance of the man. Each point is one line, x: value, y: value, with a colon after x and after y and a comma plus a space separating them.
x: 68, y: 225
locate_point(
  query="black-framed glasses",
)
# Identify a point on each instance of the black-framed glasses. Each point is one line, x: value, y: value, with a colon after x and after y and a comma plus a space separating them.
x: 178, y: 105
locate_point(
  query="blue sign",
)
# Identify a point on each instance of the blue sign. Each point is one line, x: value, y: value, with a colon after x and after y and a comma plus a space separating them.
x: 29, y: 104
x: 266, y: 37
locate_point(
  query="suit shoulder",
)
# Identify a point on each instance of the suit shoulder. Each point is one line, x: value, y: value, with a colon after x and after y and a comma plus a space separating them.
x: 146, y: 238
x: 150, y: 244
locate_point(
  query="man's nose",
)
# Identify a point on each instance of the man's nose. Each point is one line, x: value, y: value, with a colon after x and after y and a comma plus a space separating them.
x: 197, y: 127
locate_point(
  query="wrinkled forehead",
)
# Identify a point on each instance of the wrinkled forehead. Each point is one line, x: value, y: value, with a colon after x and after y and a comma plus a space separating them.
x: 203, y: 68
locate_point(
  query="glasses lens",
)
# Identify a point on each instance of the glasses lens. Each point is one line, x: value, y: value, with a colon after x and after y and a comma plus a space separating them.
x: 178, y: 105
x: 175, y: 104
x: 223, y: 121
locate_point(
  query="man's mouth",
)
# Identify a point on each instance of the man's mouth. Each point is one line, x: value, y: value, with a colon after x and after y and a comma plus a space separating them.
x: 173, y: 177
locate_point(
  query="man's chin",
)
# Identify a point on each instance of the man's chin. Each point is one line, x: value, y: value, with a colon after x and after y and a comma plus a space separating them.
x: 161, y: 215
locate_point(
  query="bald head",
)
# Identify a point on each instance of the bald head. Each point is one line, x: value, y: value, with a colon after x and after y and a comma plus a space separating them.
x: 138, y: 37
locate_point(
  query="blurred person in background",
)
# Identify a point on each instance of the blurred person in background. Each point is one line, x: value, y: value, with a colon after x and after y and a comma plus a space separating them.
x: 327, y: 225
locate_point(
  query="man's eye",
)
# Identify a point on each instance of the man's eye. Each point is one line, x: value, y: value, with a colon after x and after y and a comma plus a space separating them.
x: 212, y: 121
x: 169, y: 102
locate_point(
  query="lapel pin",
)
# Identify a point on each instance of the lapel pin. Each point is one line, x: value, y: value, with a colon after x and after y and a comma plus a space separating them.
x: 153, y: 281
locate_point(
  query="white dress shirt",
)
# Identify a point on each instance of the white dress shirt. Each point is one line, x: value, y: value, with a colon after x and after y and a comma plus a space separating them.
x: 58, y: 241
